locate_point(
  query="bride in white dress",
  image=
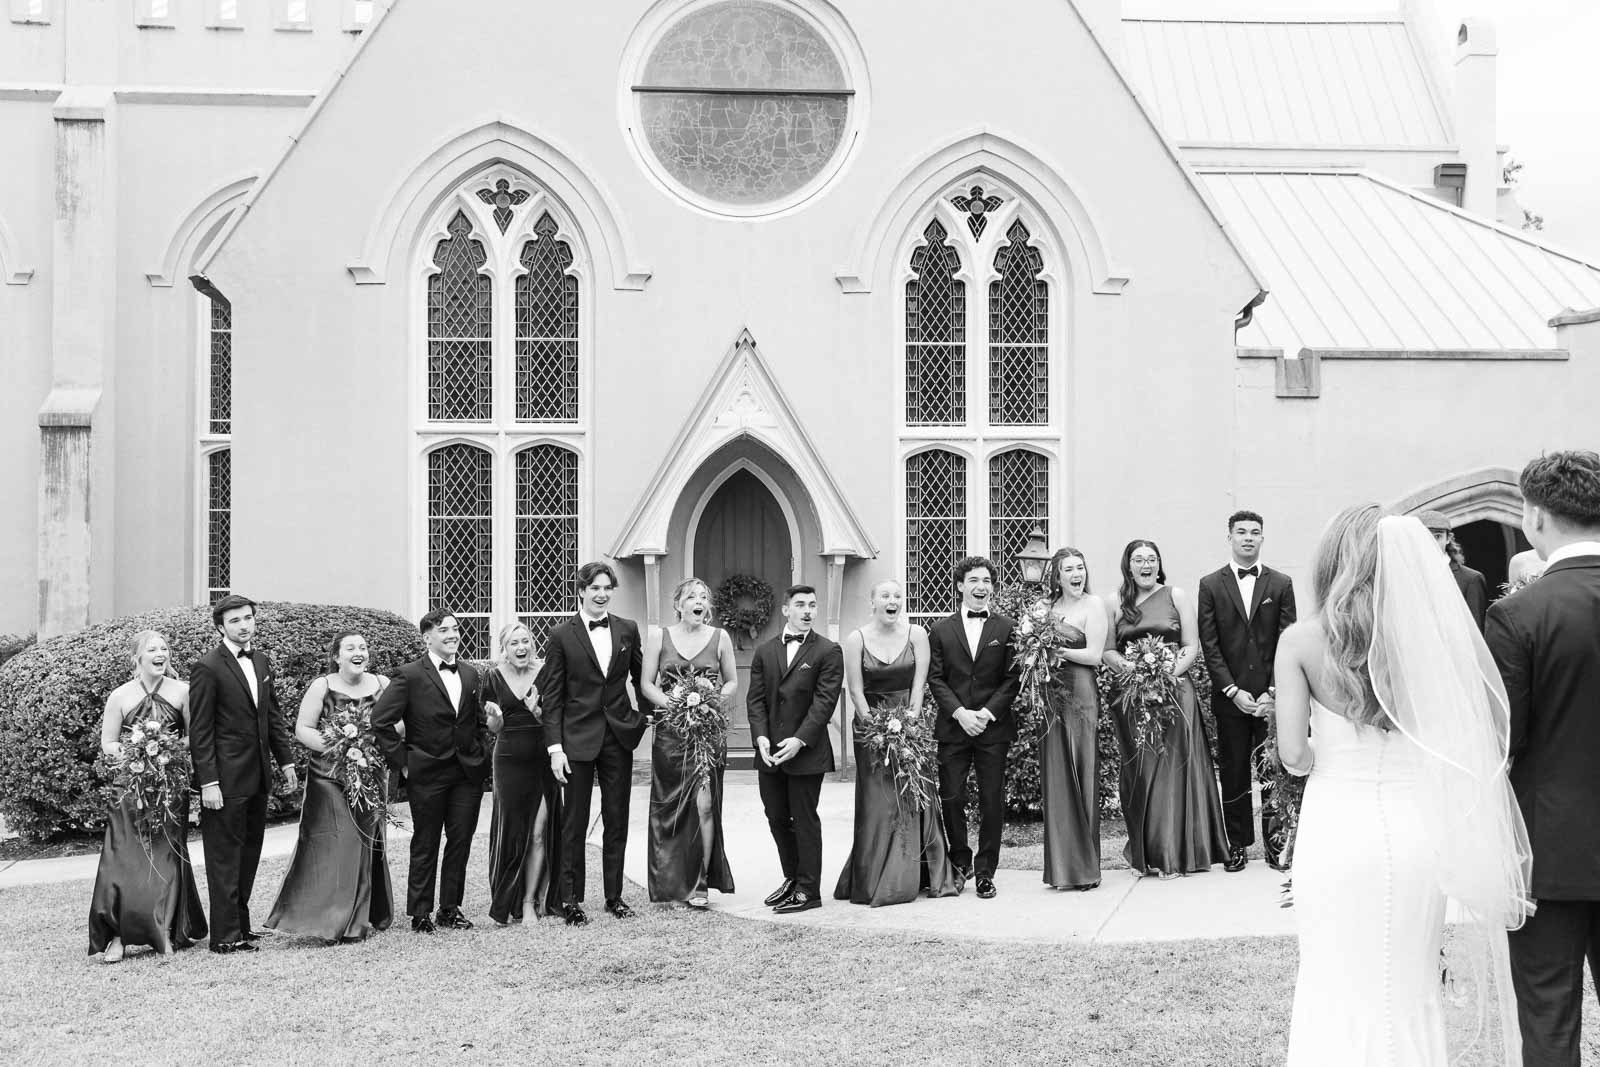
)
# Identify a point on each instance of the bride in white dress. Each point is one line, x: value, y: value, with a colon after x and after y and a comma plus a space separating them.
x: 1407, y: 805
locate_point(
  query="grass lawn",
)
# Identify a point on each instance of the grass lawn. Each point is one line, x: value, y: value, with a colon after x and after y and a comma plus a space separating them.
x: 671, y: 986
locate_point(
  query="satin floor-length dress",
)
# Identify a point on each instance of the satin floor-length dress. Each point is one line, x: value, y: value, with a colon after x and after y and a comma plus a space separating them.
x: 1069, y: 773
x: 523, y: 783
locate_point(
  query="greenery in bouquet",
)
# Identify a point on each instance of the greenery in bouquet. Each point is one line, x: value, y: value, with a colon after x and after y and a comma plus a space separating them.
x: 1281, y: 797
x: 153, y: 770
x: 1039, y: 646
x: 354, y: 758
x: 1145, y: 692
x: 897, y: 737
x: 695, y: 713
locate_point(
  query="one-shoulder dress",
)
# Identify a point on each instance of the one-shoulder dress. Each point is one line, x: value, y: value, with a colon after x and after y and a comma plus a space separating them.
x: 1068, y: 773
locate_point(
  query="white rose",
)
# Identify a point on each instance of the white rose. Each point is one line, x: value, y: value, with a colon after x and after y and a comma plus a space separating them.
x: 893, y: 726
x: 136, y: 737
x: 152, y: 748
x: 152, y: 727
x: 1150, y: 657
x: 163, y: 760
x: 350, y: 730
x: 137, y: 766
x: 692, y: 700
x: 360, y: 758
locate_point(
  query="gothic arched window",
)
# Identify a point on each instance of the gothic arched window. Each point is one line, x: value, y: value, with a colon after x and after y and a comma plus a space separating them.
x: 936, y: 334
x: 1019, y: 497
x: 546, y: 537
x: 461, y: 540
x: 219, y: 523
x: 1019, y: 334
x: 460, y: 325
x: 547, y: 329
x: 936, y: 527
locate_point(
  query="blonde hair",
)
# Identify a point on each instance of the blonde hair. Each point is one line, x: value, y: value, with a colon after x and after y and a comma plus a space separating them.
x: 505, y: 635
x: 872, y: 590
x: 1343, y: 577
x: 678, y: 591
x: 136, y: 647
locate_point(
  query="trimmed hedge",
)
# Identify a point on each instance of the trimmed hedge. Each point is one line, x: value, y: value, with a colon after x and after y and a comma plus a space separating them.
x: 11, y: 644
x: 53, y: 694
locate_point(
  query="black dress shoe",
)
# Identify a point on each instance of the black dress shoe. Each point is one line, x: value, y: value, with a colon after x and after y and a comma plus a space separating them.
x: 421, y: 924
x: 223, y: 948
x: 986, y: 889
x: 452, y: 919
x: 251, y: 935
x: 1277, y: 864
x: 780, y: 894
x: 1236, y: 860
x: 619, y: 908
x: 798, y: 902
x: 574, y: 915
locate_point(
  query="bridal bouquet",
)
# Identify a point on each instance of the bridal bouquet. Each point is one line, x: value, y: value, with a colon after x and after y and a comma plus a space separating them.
x: 1281, y: 795
x: 354, y: 757
x: 1040, y: 644
x: 694, y: 712
x: 1146, y: 691
x: 153, y: 770
x: 898, y: 737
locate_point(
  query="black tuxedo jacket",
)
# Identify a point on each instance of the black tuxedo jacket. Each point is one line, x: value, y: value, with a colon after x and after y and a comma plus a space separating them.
x: 1546, y: 641
x: 1240, y: 647
x: 795, y: 700
x: 437, y: 735
x: 580, y: 699
x: 957, y: 680
x: 1474, y: 590
x: 230, y: 734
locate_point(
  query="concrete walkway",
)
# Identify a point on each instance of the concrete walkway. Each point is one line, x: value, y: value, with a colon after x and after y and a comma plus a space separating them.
x: 1124, y: 909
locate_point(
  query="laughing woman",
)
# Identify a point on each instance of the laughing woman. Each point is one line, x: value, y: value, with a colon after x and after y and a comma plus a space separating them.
x: 686, y: 858
x: 525, y: 832
x: 144, y: 891
x: 1069, y: 761
x: 337, y: 886
x: 898, y: 850
x: 1171, y: 804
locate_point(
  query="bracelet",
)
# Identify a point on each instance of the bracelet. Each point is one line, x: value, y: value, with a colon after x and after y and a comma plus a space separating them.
x: 1230, y: 692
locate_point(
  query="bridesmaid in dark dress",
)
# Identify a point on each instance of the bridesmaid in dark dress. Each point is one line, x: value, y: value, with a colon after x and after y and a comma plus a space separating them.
x: 337, y: 885
x: 144, y: 890
x: 1173, y: 809
x: 524, y: 832
x: 1069, y: 763
x: 685, y: 851
x: 897, y: 851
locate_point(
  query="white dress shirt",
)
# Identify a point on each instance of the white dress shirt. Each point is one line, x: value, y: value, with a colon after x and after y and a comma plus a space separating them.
x: 600, y: 639
x: 248, y: 665
x: 1247, y: 584
x: 452, y: 679
x: 791, y: 649
x: 1577, y: 548
x: 974, y: 629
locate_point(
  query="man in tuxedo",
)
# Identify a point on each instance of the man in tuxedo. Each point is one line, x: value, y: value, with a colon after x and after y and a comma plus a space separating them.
x: 795, y: 680
x: 444, y: 753
x: 592, y: 727
x: 234, y: 722
x: 1546, y: 642
x: 1473, y: 585
x: 1244, y: 606
x: 973, y: 679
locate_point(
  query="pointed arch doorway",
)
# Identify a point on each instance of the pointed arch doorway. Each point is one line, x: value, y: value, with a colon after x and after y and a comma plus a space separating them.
x: 744, y: 524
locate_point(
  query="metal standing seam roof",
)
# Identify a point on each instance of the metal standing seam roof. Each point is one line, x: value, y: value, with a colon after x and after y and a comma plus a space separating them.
x: 1286, y: 83
x: 1353, y: 260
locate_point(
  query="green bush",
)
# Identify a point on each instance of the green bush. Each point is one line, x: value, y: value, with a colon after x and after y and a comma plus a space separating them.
x: 53, y: 694
x: 11, y: 644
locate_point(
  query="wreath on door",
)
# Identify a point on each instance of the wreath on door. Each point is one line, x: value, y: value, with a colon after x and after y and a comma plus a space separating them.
x: 743, y: 604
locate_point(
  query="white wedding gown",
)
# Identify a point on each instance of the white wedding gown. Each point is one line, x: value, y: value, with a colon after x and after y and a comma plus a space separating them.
x: 1368, y: 904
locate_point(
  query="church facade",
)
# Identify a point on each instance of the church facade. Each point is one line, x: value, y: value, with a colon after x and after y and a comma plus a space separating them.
x: 420, y: 302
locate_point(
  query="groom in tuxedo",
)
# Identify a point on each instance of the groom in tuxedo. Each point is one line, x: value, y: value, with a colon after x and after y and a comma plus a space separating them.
x: 795, y: 680
x: 973, y: 679
x: 592, y: 727
x: 1243, y: 608
x: 444, y: 754
x: 1546, y: 641
x: 234, y: 722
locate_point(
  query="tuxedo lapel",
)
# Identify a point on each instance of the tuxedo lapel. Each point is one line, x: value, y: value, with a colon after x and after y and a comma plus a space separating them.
x: 580, y: 634
x: 800, y: 656
x: 1230, y: 588
x: 1259, y: 594
x: 438, y: 679
x: 958, y: 629
x: 238, y: 672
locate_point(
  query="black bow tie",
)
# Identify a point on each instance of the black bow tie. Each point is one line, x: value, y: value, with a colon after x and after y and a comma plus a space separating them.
x: 1249, y: 572
x: 787, y: 638
x: 455, y: 667
x: 600, y: 624
x: 977, y: 614
x: 243, y: 653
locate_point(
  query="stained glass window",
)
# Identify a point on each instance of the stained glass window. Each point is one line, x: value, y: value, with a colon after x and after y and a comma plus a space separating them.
x: 461, y: 540
x: 220, y: 371
x: 1019, y: 498
x: 743, y: 102
x: 460, y: 318
x: 1019, y: 335
x: 546, y: 537
x: 936, y: 334
x: 547, y: 329
x: 936, y: 528
x: 219, y: 523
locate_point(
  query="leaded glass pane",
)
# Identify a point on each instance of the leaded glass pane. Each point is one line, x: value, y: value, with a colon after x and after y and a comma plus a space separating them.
x: 461, y: 540
x: 546, y: 537
x: 219, y: 524
x: 547, y: 329
x: 1019, y: 335
x: 220, y: 371
x: 936, y: 528
x: 460, y: 310
x: 1019, y: 497
x: 754, y: 140
x: 936, y: 334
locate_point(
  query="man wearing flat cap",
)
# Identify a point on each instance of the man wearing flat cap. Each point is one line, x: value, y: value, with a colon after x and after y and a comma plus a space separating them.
x: 1474, y: 587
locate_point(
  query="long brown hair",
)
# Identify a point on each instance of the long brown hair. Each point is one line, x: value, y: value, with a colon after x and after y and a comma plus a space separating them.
x: 1057, y: 591
x: 1344, y: 576
x: 1129, y: 592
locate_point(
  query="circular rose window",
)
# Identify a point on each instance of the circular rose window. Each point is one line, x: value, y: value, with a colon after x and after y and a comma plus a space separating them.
x: 743, y: 106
